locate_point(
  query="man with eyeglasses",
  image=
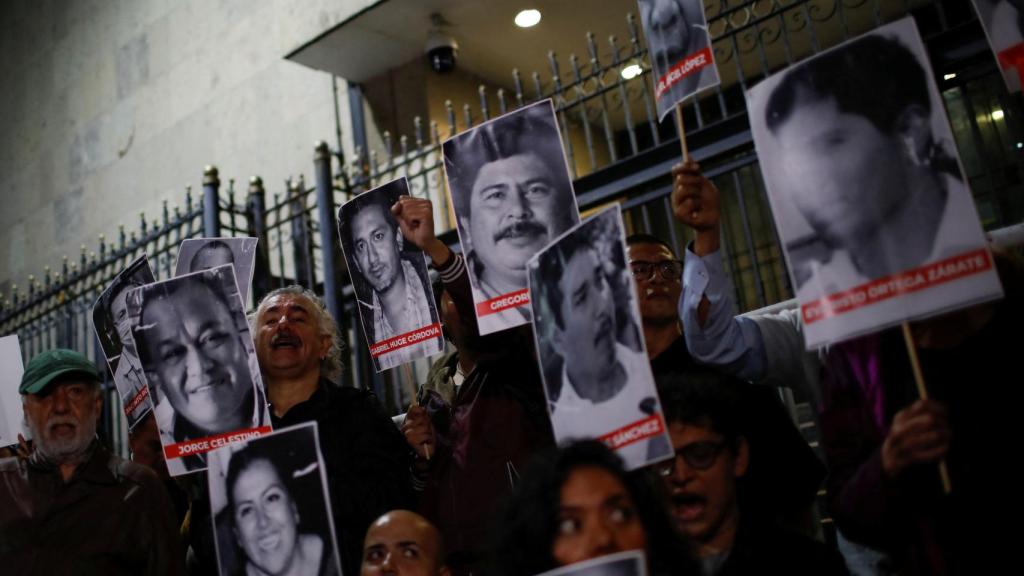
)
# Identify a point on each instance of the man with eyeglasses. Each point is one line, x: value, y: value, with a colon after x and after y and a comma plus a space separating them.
x: 708, y: 476
x: 787, y: 495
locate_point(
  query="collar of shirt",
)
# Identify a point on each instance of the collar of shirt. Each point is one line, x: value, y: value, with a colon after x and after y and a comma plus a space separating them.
x: 415, y: 300
x: 306, y: 410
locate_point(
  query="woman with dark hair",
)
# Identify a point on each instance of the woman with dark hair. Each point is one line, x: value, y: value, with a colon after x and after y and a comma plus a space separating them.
x: 577, y: 503
x: 266, y: 521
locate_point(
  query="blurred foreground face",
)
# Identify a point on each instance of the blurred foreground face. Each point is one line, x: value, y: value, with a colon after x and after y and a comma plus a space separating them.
x: 404, y: 543
x: 596, y: 517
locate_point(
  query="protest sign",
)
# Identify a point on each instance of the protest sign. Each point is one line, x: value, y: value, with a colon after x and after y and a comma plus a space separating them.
x: 597, y: 378
x: 867, y: 192
x: 682, y: 61
x: 1003, y: 22
x: 621, y: 564
x: 270, y: 506
x: 195, y: 346
x: 10, y: 399
x: 113, y: 330
x: 389, y: 275
x: 198, y: 254
x: 512, y: 193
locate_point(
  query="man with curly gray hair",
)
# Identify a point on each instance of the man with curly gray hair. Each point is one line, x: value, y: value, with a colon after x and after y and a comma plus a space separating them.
x: 367, y: 458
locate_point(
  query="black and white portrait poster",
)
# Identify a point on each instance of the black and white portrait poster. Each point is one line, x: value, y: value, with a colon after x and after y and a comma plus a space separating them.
x: 866, y: 188
x: 1003, y: 21
x: 679, y: 45
x: 113, y: 329
x: 597, y: 378
x: 10, y: 400
x: 270, y: 506
x: 389, y: 274
x: 621, y: 564
x: 195, y: 346
x: 198, y: 254
x: 512, y: 194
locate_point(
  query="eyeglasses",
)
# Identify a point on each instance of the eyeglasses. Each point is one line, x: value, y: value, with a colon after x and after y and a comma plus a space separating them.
x: 697, y: 455
x: 669, y: 269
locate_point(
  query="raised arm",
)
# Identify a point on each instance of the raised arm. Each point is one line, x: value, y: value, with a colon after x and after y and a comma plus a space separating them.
x: 714, y: 334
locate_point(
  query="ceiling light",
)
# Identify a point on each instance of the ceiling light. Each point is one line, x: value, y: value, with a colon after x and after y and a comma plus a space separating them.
x: 997, y: 114
x: 631, y: 71
x: 528, y: 18
x: 949, y: 76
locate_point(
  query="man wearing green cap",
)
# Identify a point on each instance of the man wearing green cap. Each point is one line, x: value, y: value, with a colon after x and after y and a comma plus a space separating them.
x: 73, y: 507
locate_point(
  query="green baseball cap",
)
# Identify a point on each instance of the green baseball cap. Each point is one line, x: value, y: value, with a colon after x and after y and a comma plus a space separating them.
x: 53, y: 364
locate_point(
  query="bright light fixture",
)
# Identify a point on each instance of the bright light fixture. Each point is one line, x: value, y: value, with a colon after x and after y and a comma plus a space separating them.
x: 631, y: 71
x: 997, y: 114
x: 949, y: 76
x: 528, y: 18
x: 1020, y: 145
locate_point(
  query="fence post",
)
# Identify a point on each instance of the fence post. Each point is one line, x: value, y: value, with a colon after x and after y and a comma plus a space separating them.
x: 255, y: 214
x: 329, y: 251
x: 211, y: 202
x: 300, y: 234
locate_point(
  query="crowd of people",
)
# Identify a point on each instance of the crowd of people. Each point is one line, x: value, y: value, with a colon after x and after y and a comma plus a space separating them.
x: 472, y: 482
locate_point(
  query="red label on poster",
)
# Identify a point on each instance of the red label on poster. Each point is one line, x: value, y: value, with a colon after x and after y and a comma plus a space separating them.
x: 635, y: 432
x: 138, y: 399
x: 408, y: 339
x: 203, y: 445
x: 1013, y: 59
x: 503, y: 302
x: 914, y: 280
x: 693, y: 63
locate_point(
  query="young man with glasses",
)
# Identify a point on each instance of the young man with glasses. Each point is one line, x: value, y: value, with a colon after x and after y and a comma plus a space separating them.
x: 708, y: 484
x: 659, y: 283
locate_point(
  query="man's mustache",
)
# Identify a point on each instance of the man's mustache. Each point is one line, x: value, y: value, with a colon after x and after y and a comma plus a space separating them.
x: 521, y: 228
x: 60, y: 421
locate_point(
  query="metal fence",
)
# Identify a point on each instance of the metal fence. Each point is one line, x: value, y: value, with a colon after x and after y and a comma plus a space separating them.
x: 617, y: 151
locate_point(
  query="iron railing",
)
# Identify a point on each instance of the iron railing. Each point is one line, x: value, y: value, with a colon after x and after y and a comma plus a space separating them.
x: 617, y: 151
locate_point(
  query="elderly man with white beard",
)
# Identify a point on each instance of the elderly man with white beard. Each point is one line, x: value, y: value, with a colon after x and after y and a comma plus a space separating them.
x: 73, y: 507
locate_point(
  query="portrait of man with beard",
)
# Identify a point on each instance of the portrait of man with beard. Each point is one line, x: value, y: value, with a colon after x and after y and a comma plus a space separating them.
x: 390, y: 279
x: 597, y: 377
x: 513, y: 195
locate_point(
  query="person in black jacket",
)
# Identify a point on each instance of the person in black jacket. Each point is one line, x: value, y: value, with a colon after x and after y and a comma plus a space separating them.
x: 469, y: 453
x: 368, y: 461
x: 710, y: 489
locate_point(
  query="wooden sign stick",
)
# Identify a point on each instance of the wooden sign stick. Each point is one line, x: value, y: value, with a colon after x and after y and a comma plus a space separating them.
x: 915, y: 364
x: 682, y: 131
x: 407, y: 369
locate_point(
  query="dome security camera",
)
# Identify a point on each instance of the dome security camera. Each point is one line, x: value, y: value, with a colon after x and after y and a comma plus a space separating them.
x: 442, y: 51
